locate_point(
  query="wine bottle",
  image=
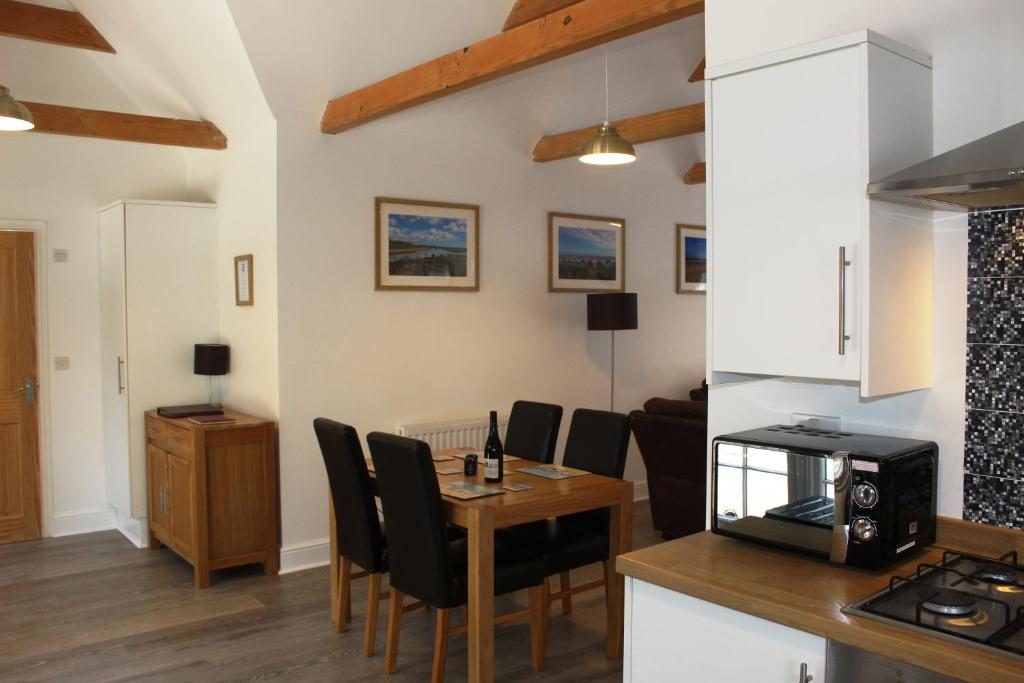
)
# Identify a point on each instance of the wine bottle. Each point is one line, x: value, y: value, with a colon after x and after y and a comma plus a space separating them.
x: 494, y: 460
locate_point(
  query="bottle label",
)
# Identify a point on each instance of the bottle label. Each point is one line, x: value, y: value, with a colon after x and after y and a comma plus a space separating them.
x: 491, y: 468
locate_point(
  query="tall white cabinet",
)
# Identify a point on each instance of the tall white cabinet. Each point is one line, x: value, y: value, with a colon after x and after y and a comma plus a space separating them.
x: 810, y: 278
x: 158, y: 289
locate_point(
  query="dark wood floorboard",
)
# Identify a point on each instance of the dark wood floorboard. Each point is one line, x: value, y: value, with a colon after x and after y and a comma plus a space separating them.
x: 93, y: 608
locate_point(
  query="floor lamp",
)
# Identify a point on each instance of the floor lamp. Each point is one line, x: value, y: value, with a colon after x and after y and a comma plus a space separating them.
x: 615, y: 311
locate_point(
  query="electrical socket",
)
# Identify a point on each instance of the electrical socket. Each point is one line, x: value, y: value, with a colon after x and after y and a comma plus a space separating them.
x: 62, y: 363
x: 828, y: 423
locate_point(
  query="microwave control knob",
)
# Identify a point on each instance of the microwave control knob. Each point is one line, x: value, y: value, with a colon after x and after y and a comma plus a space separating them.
x: 863, y: 529
x: 865, y: 495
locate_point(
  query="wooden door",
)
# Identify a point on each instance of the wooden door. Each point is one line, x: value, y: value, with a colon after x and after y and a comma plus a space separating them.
x: 19, y: 405
x: 787, y: 191
x: 182, y: 530
x: 159, y: 492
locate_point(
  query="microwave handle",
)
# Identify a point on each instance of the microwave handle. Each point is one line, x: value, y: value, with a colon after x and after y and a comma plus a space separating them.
x: 842, y: 477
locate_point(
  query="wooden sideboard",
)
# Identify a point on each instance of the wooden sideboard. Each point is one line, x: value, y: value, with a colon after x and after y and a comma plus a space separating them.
x: 212, y: 492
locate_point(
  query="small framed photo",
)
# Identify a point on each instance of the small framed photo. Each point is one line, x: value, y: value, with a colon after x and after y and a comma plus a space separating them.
x: 426, y: 245
x: 691, y: 259
x: 243, y: 280
x: 586, y: 253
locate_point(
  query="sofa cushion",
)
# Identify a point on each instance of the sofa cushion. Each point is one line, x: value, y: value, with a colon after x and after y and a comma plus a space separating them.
x: 667, y: 406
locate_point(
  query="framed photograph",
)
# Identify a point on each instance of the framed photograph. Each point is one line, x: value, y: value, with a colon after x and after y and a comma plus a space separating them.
x: 691, y: 259
x: 427, y: 245
x: 586, y: 253
x: 243, y: 280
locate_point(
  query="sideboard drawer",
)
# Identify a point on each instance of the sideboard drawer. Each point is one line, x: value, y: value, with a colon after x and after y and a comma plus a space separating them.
x: 170, y: 438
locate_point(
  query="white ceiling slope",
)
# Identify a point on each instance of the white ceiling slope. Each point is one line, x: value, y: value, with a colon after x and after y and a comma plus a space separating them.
x: 307, y: 51
x: 181, y: 58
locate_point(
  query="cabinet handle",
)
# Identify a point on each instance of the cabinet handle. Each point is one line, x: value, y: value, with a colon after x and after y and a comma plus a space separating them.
x: 804, y: 676
x: 120, y: 382
x: 843, y: 337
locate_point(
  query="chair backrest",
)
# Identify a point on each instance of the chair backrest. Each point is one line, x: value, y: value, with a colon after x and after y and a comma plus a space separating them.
x: 359, y: 535
x: 598, y: 442
x: 418, y: 550
x: 533, y: 431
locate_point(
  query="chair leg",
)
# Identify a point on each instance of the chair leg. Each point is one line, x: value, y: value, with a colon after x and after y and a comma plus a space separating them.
x: 344, y: 614
x: 372, y: 608
x: 538, y: 624
x: 565, y: 583
x: 394, y: 624
x: 440, y: 646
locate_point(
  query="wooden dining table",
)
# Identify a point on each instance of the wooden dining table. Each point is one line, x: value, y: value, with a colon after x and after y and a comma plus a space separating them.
x: 481, y: 516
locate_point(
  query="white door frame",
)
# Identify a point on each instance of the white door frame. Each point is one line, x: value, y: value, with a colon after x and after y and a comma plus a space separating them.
x: 42, y: 362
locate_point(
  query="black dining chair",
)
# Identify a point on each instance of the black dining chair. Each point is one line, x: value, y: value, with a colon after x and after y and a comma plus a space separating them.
x: 532, y: 431
x: 429, y: 564
x: 360, y: 538
x: 598, y: 442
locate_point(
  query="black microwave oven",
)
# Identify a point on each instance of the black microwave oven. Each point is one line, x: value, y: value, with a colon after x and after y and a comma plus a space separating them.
x: 854, y: 499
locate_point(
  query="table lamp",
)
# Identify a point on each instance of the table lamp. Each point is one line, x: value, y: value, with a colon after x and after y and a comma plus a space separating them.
x: 613, y: 311
x: 212, y: 360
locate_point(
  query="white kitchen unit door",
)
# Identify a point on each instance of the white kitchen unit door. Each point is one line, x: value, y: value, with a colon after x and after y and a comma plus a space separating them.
x: 158, y: 282
x: 795, y: 138
x: 675, y: 638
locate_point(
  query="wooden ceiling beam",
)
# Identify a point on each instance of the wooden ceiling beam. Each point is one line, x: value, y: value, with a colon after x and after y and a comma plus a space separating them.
x: 698, y: 73
x: 669, y: 123
x: 50, y: 25
x: 93, y: 123
x: 566, y: 31
x: 525, y: 11
x: 697, y: 174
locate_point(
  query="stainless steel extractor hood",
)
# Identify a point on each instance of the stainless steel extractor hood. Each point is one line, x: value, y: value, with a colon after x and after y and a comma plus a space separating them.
x: 983, y: 174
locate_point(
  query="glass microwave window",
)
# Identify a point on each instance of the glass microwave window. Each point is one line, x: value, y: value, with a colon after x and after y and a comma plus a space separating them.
x: 764, y: 491
x: 758, y: 486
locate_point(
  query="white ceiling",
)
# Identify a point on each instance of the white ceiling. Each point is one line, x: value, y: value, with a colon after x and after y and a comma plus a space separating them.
x: 307, y: 51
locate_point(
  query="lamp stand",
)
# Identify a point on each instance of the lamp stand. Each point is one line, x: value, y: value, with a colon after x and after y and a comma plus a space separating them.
x: 612, y: 402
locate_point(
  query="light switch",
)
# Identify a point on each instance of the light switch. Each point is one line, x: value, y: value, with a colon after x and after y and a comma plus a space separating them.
x: 62, y: 363
x: 60, y: 255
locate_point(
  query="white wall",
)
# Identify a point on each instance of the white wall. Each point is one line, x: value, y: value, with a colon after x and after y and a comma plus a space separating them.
x: 185, y: 58
x: 63, y: 181
x: 378, y: 359
x: 977, y: 58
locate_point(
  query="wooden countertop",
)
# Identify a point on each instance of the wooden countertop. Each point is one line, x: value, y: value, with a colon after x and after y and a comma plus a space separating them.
x: 807, y: 594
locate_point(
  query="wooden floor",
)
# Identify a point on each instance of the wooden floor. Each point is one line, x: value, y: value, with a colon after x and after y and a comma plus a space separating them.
x: 95, y: 608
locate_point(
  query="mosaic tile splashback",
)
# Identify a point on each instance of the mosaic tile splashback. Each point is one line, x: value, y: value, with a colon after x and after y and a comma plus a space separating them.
x: 994, y: 430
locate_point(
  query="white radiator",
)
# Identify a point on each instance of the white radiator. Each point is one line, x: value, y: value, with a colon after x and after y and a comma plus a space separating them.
x: 468, y: 432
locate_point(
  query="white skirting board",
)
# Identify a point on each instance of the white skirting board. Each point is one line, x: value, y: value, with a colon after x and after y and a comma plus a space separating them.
x: 82, y: 522
x: 311, y: 554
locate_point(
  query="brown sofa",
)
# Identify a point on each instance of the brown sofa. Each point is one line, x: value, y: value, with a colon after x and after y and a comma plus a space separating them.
x: 672, y: 435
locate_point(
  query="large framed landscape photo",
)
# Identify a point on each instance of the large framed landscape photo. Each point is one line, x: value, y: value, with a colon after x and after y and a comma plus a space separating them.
x: 691, y: 259
x: 426, y: 245
x: 586, y: 253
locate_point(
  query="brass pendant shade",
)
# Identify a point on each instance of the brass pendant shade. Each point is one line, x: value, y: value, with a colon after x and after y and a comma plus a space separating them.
x: 14, y: 116
x: 607, y: 148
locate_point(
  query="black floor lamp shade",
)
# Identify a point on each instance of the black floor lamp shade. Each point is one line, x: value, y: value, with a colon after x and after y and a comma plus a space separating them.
x: 613, y: 311
x: 212, y: 359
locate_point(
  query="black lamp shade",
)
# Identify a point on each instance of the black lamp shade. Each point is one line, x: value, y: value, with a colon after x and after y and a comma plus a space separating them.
x: 212, y: 359
x: 614, y: 311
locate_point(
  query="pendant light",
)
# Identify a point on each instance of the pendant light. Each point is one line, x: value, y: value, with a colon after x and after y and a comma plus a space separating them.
x: 607, y: 148
x: 14, y: 115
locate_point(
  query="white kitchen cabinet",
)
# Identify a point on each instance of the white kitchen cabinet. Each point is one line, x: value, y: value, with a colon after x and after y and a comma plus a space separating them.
x: 675, y: 638
x: 794, y: 138
x: 158, y: 290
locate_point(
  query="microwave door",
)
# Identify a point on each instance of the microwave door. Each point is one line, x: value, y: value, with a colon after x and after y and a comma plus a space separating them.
x: 775, y: 496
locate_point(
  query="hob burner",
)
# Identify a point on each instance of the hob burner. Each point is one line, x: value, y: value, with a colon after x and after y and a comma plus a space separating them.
x: 996, y: 573
x: 947, y: 602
